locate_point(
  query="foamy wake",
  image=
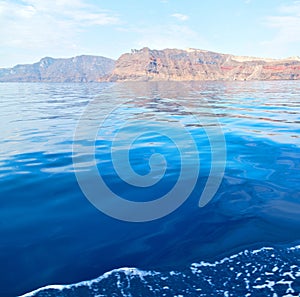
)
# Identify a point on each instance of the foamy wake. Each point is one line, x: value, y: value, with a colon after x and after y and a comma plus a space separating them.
x: 264, y: 272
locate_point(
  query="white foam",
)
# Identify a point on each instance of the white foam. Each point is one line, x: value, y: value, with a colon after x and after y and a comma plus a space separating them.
x: 275, y: 269
x: 268, y: 284
x: 196, y: 270
x: 126, y: 270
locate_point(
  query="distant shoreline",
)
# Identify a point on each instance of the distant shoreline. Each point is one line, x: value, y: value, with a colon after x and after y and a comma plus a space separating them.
x: 155, y: 65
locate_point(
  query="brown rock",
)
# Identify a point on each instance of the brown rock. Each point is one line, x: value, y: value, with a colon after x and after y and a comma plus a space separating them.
x: 77, y: 69
x: 193, y: 64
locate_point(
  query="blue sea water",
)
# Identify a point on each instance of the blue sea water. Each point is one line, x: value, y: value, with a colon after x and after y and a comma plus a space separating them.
x: 244, y: 242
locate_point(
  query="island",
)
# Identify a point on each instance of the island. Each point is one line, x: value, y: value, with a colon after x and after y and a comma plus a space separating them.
x: 155, y: 65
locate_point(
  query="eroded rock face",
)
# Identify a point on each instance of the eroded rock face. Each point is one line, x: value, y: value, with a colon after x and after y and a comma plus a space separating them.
x: 157, y: 65
x: 77, y: 69
x: 192, y: 64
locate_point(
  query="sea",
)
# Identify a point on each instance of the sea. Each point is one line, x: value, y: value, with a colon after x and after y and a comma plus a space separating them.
x: 150, y: 189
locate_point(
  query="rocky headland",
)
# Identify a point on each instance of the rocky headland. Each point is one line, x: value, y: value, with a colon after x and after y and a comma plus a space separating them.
x: 155, y: 65
x: 193, y: 64
x: 77, y: 69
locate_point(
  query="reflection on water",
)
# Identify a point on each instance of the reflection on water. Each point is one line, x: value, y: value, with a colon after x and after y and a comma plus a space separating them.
x: 54, y: 235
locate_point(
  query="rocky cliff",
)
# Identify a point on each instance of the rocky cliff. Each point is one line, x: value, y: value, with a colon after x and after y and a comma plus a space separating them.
x: 193, y: 64
x: 146, y: 64
x: 77, y: 69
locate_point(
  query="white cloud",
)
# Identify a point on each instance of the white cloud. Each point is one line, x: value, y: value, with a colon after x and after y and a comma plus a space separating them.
x: 90, y: 18
x: 180, y: 17
x: 169, y: 36
x: 39, y: 27
x: 293, y: 9
x: 287, y: 29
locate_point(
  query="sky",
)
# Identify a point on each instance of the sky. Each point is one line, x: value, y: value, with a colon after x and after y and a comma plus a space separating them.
x: 33, y: 29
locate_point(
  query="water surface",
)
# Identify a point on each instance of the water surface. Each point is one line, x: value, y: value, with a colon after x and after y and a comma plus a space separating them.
x: 50, y: 232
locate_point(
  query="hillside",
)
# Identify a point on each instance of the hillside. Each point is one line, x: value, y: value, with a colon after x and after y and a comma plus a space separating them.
x: 77, y: 69
x: 156, y: 65
x: 193, y: 64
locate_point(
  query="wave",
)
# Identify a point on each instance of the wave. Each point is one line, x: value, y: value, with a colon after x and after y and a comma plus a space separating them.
x: 269, y: 271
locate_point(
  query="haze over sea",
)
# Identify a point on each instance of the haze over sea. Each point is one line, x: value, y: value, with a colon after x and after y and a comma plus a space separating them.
x: 244, y: 242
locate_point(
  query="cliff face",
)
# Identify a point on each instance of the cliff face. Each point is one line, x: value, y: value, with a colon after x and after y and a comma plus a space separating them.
x: 77, y: 69
x: 146, y: 64
x: 174, y: 64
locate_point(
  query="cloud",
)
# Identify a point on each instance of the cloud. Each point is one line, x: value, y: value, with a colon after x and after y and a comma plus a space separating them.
x: 43, y: 26
x: 180, y: 17
x: 168, y: 36
x: 287, y: 29
x: 293, y: 9
x: 90, y: 18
